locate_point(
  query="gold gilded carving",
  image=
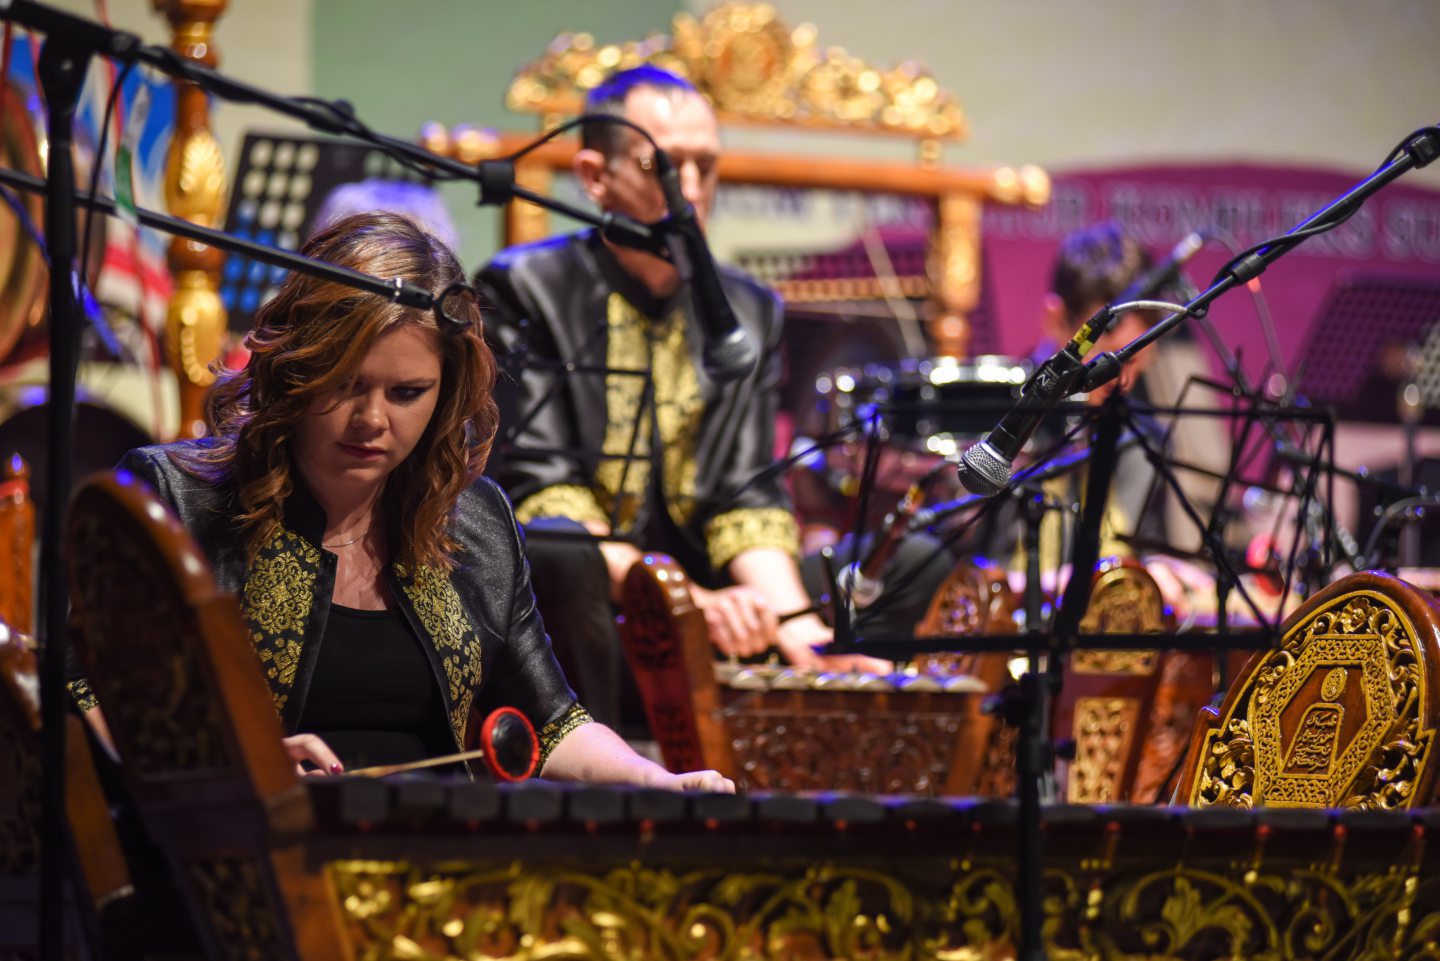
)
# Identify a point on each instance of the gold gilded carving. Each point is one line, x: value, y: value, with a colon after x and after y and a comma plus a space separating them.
x: 954, y: 269
x: 996, y: 776
x: 559, y: 911
x: 1125, y: 600
x: 526, y: 223
x: 234, y: 899
x: 20, y: 803
x: 1313, y: 749
x: 160, y: 706
x: 951, y: 907
x: 1228, y: 768
x: 1114, y: 662
x: 1370, y: 760
x: 17, y: 544
x: 195, y: 179
x: 755, y: 69
x: 1104, y: 731
x: 748, y: 61
x: 195, y: 326
x: 195, y: 191
x: 886, y: 752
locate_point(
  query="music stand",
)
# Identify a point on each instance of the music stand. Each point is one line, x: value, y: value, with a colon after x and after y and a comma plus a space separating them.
x: 281, y: 182
x: 1362, y: 316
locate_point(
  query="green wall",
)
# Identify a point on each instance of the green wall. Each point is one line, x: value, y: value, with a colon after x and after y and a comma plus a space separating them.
x: 405, y: 63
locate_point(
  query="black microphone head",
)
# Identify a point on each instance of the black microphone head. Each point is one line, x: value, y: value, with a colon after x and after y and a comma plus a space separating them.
x: 730, y: 357
x: 983, y: 470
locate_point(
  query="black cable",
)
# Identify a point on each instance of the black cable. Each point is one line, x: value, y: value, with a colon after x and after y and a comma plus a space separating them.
x: 1341, y: 214
x: 1290, y: 239
x: 1394, y: 155
x: 83, y: 275
x: 27, y: 223
x: 581, y: 120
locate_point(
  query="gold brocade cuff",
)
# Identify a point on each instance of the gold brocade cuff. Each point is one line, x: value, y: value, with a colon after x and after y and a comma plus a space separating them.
x: 561, y: 500
x: 734, y: 532
x: 82, y: 695
x: 557, y: 730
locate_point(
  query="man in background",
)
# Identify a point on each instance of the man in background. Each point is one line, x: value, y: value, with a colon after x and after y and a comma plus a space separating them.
x: 1093, y: 267
x: 590, y: 455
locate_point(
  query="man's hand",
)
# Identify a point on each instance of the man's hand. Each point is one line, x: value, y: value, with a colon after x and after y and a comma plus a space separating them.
x: 740, y: 620
x: 800, y: 637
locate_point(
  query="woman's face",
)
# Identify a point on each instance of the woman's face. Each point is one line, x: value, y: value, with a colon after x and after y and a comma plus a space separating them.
x: 356, y: 434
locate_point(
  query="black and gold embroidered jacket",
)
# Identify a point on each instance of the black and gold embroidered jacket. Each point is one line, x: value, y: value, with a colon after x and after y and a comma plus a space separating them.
x: 565, y: 433
x: 478, y: 623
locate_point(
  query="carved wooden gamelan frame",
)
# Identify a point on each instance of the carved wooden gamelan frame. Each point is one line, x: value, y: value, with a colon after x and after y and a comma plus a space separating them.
x: 756, y: 70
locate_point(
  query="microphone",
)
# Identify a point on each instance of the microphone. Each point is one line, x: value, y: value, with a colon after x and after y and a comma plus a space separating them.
x: 863, y: 580
x: 1032, y: 476
x: 1154, y: 280
x: 729, y: 352
x: 985, y: 467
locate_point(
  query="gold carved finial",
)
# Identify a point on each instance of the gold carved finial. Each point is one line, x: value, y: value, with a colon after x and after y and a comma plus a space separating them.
x: 17, y: 543
x: 195, y: 324
x: 755, y: 69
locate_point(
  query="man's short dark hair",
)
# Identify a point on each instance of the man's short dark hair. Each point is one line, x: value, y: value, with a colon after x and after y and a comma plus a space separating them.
x: 1094, y: 265
x: 609, y: 98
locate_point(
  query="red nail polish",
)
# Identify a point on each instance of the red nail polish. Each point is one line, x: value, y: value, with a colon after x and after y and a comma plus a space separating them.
x: 337, y: 768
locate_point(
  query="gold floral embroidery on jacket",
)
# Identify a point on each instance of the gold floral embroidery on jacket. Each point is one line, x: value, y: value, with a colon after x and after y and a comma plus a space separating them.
x: 561, y: 500
x: 82, y: 694
x: 732, y: 533
x: 553, y: 733
x: 278, y: 597
x: 634, y: 343
x: 442, y: 615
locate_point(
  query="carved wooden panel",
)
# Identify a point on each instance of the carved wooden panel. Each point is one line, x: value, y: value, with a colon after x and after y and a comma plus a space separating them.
x: 1342, y: 715
x: 1107, y: 697
x: 17, y: 544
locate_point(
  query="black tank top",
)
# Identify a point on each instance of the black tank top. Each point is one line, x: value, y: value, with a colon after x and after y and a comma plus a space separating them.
x: 374, y: 697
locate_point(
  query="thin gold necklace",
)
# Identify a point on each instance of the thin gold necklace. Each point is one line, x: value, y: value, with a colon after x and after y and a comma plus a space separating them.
x: 349, y: 542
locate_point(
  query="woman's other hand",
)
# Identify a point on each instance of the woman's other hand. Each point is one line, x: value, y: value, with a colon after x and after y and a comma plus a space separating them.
x: 712, y: 781
x: 308, y: 747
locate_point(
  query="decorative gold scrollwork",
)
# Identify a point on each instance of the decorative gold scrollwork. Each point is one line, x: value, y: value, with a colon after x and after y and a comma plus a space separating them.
x: 755, y: 69
x: 161, y: 707
x: 953, y: 909
x: 1298, y: 738
x: 1104, y: 731
x: 543, y: 911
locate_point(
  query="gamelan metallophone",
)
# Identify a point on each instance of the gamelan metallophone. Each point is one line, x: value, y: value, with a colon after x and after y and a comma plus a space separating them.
x: 434, y: 869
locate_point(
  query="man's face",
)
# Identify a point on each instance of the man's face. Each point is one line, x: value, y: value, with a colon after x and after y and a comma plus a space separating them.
x: 684, y: 126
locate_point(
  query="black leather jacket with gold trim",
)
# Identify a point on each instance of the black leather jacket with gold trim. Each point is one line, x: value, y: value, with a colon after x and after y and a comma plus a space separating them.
x: 478, y: 622
x: 551, y: 304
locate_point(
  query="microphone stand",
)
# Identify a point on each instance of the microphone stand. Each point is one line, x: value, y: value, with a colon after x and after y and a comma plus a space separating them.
x: 1417, y: 151
x: 61, y: 69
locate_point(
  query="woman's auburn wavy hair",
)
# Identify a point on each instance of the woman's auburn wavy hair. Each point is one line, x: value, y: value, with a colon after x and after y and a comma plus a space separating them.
x: 307, y: 340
